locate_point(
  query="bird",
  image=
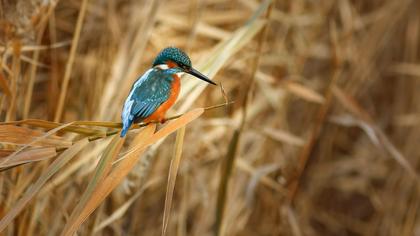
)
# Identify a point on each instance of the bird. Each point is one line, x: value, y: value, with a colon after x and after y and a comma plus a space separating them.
x: 158, y: 88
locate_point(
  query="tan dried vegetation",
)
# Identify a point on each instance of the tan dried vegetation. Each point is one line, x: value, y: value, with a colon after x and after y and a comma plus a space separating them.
x: 317, y: 133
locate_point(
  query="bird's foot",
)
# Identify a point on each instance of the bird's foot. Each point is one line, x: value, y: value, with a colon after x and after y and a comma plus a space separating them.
x: 162, y: 120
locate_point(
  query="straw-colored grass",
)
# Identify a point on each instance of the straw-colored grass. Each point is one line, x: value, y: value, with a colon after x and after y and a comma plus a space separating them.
x: 313, y: 130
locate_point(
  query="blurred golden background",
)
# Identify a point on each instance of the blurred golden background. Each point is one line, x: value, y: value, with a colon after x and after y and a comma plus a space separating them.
x: 322, y: 137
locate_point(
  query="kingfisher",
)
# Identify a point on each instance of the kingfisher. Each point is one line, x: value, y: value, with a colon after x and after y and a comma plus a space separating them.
x: 158, y: 88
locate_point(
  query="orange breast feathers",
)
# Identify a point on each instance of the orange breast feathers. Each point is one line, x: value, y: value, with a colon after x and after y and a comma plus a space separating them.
x: 159, y: 114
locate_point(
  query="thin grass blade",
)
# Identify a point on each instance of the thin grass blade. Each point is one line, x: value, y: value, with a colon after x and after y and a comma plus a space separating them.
x: 173, y: 171
x: 74, y: 127
x: 31, y: 155
x: 21, y: 135
x: 226, y: 172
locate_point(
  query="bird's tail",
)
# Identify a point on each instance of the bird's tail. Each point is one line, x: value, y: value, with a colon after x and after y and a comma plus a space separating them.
x: 125, y: 128
x: 123, y: 132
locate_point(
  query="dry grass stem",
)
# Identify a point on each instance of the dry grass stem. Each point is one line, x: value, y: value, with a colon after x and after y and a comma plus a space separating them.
x: 313, y: 127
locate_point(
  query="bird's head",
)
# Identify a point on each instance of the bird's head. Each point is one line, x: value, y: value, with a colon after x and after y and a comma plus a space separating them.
x: 175, y: 58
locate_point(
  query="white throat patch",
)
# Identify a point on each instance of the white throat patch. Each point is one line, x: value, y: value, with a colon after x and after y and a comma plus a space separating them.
x: 162, y: 66
x: 165, y: 67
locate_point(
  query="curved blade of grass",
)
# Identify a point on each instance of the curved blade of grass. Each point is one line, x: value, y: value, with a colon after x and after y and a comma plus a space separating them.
x: 21, y: 135
x: 31, y: 155
x: 37, y: 139
x: 173, y: 171
x: 145, y: 138
x: 51, y: 125
x: 102, y: 169
x: 65, y: 157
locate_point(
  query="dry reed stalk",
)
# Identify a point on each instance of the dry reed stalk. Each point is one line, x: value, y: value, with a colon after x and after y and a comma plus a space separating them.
x: 69, y: 65
x: 349, y: 146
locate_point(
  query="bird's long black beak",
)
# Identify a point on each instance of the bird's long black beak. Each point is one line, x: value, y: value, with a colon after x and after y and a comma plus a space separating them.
x: 198, y: 74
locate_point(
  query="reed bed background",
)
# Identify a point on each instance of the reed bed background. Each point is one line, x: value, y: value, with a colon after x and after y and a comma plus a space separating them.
x: 319, y: 134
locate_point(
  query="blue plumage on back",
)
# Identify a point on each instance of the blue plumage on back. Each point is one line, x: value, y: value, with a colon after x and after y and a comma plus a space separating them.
x: 147, y: 94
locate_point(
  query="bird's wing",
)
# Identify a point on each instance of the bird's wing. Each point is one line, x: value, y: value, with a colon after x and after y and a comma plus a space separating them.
x: 147, y: 94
